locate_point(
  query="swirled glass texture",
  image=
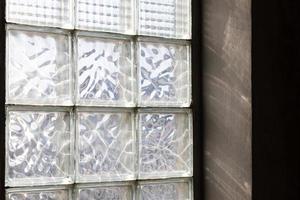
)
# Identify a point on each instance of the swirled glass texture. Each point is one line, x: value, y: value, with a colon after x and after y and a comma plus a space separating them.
x: 38, y: 66
x: 105, y: 146
x: 38, y: 149
x: 105, y: 192
x: 165, y: 190
x: 38, y: 194
x: 165, y: 144
x: 104, y: 71
x: 164, y: 76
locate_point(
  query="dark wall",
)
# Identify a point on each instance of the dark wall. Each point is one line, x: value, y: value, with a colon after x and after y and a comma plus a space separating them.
x: 227, y: 99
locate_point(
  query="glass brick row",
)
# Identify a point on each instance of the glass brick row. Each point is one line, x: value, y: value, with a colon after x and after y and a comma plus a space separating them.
x: 171, y: 189
x: 163, y: 18
x: 46, y: 145
x: 99, y: 70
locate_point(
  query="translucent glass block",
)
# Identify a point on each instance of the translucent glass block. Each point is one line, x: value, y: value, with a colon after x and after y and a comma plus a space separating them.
x: 105, y: 70
x: 39, y: 193
x: 165, y: 18
x: 172, y: 189
x: 52, y: 13
x: 39, y: 146
x: 105, y: 148
x: 164, y: 73
x: 38, y: 66
x: 108, y: 191
x: 115, y: 16
x: 165, y: 143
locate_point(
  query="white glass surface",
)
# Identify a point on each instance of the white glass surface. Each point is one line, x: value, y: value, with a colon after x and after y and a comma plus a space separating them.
x: 39, y: 193
x: 165, y: 18
x: 165, y: 143
x: 105, y: 147
x: 172, y: 189
x: 52, y: 13
x: 39, y: 146
x: 164, y: 73
x: 115, y: 16
x: 105, y: 70
x: 38, y: 66
x: 107, y: 191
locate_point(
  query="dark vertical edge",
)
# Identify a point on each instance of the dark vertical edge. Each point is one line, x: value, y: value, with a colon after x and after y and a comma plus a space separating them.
x: 2, y: 96
x: 276, y: 99
x: 197, y: 104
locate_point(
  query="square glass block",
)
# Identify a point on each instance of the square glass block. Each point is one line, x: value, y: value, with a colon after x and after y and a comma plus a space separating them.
x: 115, y: 16
x: 39, y: 193
x: 165, y: 18
x: 52, y: 13
x: 170, y: 189
x: 105, y: 147
x: 38, y: 66
x: 165, y: 143
x: 104, y: 70
x: 108, y: 191
x: 39, y: 146
x: 164, y: 73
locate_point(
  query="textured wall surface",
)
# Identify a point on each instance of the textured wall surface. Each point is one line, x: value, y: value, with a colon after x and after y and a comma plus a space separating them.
x: 227, y: 99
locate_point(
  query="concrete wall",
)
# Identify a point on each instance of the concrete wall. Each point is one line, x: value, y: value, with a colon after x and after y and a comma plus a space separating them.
x: 227, y: 99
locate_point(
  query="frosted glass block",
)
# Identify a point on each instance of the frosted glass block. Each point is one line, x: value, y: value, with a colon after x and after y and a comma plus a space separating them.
x: 108, y: 191
x: 172, y: 189
x: 39, y: 193
x: 165, y: 18
x: 38, y: 66
x: 115, y: 16
x: 165, y: 143
x: 164, y: 73
x: 105, y: 148
x: 105, y: 70
x: 52, y: 13
x: 39, y: 146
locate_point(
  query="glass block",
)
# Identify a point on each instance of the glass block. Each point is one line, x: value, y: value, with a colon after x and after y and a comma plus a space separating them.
x: 115, y: 16
x: 108, y: 191
x: 105, y: 148
x: 164, y: 73
x: 39, y: 146
x: 39, y: 193
x: 105, y: 70
x: 165, y: 143
x: 165, y: 18
x: 52, y: 13
x: 172, y: 189
x: 38, y: 66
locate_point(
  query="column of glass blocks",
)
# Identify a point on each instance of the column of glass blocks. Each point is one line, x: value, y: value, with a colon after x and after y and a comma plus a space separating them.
x: 72, y: 95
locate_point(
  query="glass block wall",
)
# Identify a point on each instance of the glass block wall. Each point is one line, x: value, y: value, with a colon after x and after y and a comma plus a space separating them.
x: 97, y: 100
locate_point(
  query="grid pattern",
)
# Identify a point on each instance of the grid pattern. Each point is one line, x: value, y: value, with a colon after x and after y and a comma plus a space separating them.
x: 98, y: 115
x: 53, y: 13
x: 168, y: 18
x: 105, y: 15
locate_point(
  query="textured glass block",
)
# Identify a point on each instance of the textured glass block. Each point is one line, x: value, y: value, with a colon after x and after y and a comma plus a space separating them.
x: 165, y: 143
x: 115, y: 16
x: 52, y: 13
x: 172, y: 189
x: 39, y: 193
x: 109, y: 191
x: 105, y: 71
x: 38, y: 146
x: 165, y: 18
x: 38, y: 66
x: 164, y: 73
x: 105, y: 146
